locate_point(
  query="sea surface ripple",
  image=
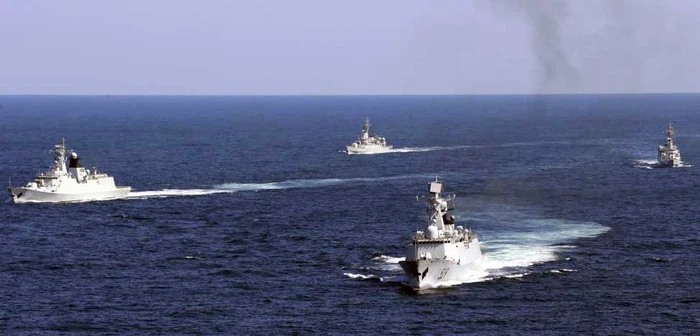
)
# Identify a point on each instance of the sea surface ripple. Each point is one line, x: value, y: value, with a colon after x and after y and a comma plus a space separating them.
x: 247, y: 217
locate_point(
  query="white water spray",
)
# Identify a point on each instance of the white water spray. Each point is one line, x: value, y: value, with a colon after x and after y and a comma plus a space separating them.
x: 288, y: 184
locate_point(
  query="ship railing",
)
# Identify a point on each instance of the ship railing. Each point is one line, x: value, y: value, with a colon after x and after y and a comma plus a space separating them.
x: 435, y: 240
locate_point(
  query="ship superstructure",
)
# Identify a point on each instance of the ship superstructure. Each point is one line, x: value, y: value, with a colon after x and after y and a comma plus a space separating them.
x: 72, y: 183
x: 368, y: 143
x: 442, y: 253
x: 669, y: 155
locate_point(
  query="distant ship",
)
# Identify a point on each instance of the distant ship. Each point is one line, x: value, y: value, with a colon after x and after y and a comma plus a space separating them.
x: 368, y: 143
x: 441, y: 253
x: 68, y: 184
x: 669, y: 155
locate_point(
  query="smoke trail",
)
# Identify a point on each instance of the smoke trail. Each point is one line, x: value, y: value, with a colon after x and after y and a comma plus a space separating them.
x: 544, y: 19
x: 621, y: 46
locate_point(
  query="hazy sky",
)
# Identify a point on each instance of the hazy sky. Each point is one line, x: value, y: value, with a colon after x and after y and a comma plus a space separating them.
x: 271, y: 47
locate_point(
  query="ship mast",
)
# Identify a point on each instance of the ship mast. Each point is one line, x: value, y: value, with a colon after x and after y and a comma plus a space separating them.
x: 60, y: 156
x: 670, y: 131
x: 365, y: 130
x: 436, y: 202
x: 366, y: 125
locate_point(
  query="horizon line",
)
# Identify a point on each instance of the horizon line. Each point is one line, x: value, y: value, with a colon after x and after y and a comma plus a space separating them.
x: 345, y: 95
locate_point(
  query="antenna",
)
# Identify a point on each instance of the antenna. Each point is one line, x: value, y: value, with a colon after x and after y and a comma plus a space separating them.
x: 670, y: 130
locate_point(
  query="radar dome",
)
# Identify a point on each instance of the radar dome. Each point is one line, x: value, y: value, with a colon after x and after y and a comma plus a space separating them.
x: 432, y: 232
x: 74, y: 155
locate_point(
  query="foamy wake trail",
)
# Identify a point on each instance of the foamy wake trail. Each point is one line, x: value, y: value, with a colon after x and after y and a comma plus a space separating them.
x: 174, y: 192
x: 425, y: 149
x: 388, y: 259
x: 289, y: 184
x: 307, y: 183
x: 360, y: 276
x: 647, y: 164
x: 644, y: 163
x: 511, y: 241
x: 409, y: 150
x: 532, y: 241
x: 523, y: 242
x: 386, y: 263
x: 442, y: 148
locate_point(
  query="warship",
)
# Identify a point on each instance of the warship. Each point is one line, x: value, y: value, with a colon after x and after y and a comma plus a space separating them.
x: 368, y: 143
x: 442, y: 253
x: 669, y: 155
x: 72, y: 183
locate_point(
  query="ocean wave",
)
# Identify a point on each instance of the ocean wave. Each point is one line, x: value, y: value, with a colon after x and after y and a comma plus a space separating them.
x: 517, y: 275
x: 360, y: 276
x: 388, y: 259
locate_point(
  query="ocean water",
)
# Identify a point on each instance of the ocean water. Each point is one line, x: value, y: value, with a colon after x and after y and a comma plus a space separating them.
x: 248, y: 218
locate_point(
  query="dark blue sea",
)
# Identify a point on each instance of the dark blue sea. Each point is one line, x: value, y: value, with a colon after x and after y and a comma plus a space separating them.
x: 247, y: 216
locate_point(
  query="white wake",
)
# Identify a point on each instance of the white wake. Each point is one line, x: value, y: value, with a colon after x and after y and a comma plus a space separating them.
x: 532, y: 241
x: 308, y: 183
x: 511, y: 242
x: 649, y: 164
x: 174, y: 192
x: 237, y: 187
x: 644, y: 163
x: 442, y: 148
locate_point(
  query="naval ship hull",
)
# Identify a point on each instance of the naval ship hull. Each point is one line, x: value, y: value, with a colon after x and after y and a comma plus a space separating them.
x: 666, y: 165
x: 27, y: 195
x: 371, y: 149
x: 437, y: 272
